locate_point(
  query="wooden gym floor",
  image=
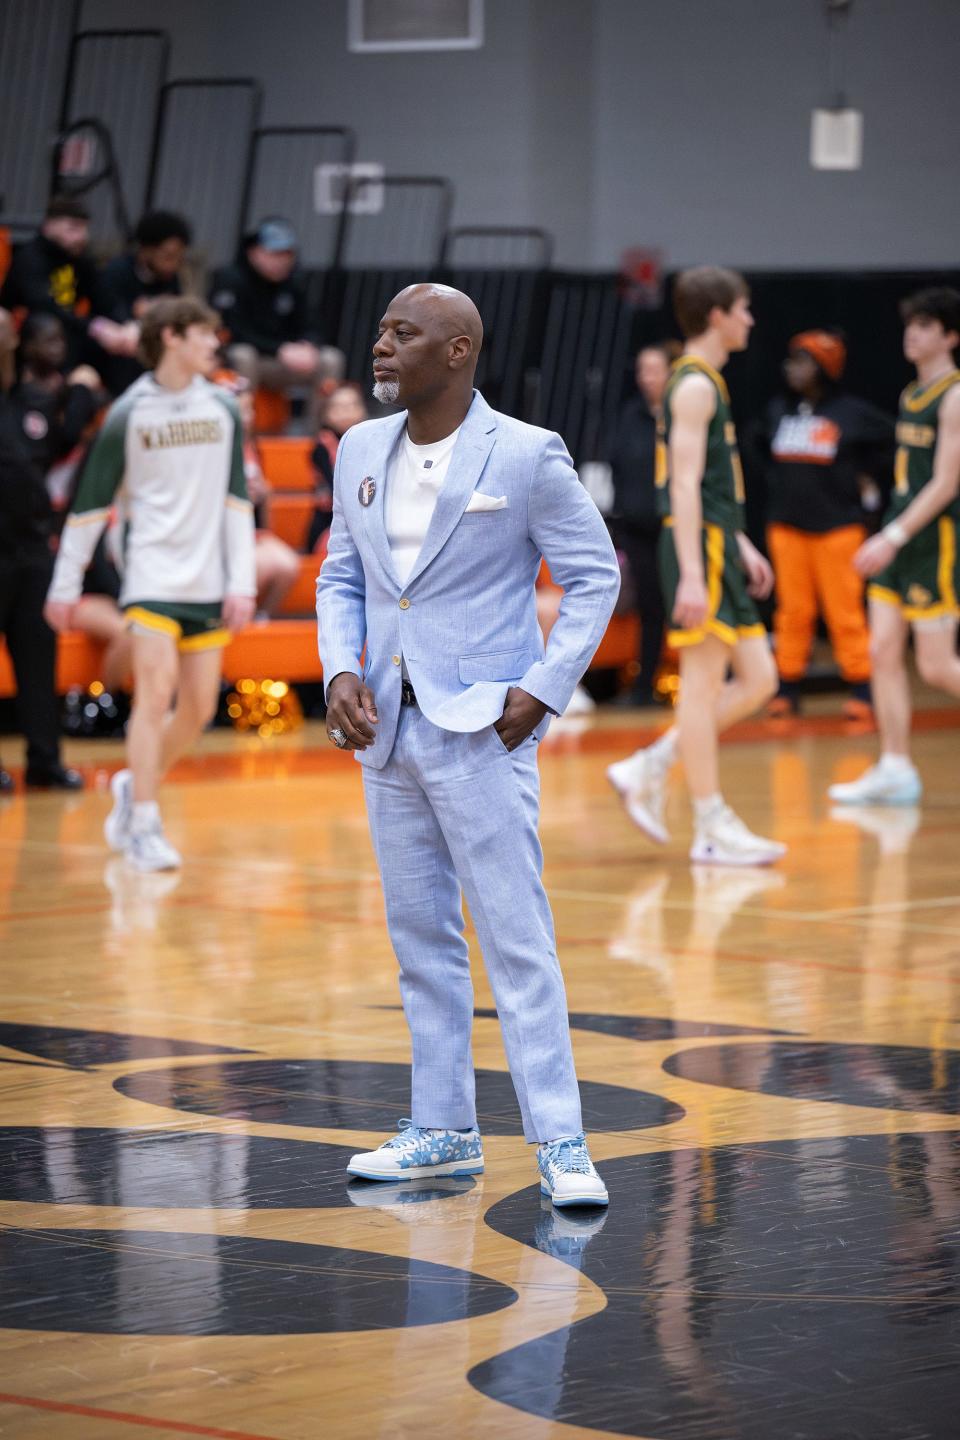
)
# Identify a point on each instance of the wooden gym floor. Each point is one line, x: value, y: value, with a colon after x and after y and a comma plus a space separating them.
x: 770, y: 1065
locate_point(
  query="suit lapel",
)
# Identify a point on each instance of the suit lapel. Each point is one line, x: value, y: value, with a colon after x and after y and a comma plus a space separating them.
x: 375, y: 465
x: 466, y: 466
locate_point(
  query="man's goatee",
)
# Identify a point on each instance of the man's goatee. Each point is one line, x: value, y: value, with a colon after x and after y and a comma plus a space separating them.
x: 386, y: 392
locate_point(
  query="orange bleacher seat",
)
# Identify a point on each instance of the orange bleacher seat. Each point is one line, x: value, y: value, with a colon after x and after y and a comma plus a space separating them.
x: 284, y: 649
x: 289, y: 517
x: 280, y: 649
x: 78, y: 663
x: 619, y: 645
x: 271, y: 410
x: 286, y: 462
x: 301, y: 598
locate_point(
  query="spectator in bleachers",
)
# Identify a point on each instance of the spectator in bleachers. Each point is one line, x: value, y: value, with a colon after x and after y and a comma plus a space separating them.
x: 151, y: 269
x: 56, y: 408
x: 57, y: 411
x: 131, y: 282
x: 277, y: 563
x: 820, y: 447
x: 273, y: 340
x: 341, y: 409
x: 26, y: 564
x: 54, y: 274
x: 634, y: 521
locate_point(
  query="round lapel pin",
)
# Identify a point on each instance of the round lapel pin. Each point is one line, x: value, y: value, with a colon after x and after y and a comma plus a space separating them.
x: 368, y: 488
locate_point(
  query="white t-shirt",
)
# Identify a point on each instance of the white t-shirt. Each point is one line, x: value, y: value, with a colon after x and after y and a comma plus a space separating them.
x: 172, y: 462
x: 414, y: 478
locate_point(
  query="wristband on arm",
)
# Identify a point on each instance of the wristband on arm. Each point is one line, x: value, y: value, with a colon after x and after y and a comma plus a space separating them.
x: 895, y: 533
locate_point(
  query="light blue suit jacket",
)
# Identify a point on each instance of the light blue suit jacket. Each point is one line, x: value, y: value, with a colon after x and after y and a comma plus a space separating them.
x: 469, y: 630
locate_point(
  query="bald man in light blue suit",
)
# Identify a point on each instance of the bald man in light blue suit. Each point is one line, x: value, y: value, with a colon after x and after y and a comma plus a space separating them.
x: 438, y: 679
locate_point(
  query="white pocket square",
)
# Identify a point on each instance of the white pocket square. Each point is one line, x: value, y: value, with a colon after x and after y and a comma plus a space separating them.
x: 478, y: 503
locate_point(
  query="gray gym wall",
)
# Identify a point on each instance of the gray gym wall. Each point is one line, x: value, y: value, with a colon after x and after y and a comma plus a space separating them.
x: 682, y: 124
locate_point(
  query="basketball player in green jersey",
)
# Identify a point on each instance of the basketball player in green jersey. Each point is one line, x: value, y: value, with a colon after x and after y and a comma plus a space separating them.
x: 711, y: 574
x: 912, y: 564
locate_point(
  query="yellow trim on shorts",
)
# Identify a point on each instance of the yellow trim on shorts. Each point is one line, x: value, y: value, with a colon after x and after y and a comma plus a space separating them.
x: 715, y: 539
x: 884, y: 596
x: 150, y: 620
x: 948, y: 560
x: 928, y: 612
x: 946, y: 563
x: 711, y: 626
x: 911, y: 612
x: 683, y: 639
x: 727, y: 633
x: 208, y: 640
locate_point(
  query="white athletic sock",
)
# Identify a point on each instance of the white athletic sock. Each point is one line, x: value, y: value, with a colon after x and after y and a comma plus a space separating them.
x: 707, y: 809
x: 663, y: 751
x: 146, y: 814
x: 891, y: 761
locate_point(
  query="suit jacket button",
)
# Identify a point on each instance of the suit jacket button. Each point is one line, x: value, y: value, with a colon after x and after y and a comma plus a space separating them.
x: 396, y: 659
x: 404, y: 603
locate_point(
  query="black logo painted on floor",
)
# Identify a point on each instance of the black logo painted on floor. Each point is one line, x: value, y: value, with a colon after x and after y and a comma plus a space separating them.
x: 152, y: 1282
x: 809, y: 1287
x: 363, y: 1095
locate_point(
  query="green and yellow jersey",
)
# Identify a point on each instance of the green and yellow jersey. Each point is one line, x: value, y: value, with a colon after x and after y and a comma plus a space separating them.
x: 721, y: 489
x: 917, y: 429
x: 923, y: 578
x: 731, y: 613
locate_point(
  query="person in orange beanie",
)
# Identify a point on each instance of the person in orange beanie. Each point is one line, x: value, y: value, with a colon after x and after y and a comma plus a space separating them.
x: 820, y: 448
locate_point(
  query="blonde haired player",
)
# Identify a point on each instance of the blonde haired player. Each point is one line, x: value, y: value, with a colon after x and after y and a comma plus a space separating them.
x: 710, y: 574
x: 171, y: 454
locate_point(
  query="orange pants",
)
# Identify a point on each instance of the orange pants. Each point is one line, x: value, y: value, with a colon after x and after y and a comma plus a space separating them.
x: 815, y: 574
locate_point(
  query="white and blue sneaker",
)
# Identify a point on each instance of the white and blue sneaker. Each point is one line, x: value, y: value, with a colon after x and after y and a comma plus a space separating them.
x: 116, y: 828
x: 882, y: 784
x: 148, y: 849
x: 415, y: 1153
x: 641, y: 783
x: 568, y: 1175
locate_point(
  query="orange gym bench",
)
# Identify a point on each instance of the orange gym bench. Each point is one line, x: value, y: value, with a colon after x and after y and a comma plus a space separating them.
x: 279, y: 650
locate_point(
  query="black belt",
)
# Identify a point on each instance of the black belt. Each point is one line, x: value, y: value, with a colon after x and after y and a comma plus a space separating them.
x: 408, y: 696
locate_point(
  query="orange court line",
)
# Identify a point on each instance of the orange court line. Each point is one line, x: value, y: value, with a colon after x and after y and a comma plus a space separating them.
x: 53, y: 913
x: 180, y: 1426
x: 319, y: 760
x: 752, y: 731
x: 743, y: 957
x: 287, y: 912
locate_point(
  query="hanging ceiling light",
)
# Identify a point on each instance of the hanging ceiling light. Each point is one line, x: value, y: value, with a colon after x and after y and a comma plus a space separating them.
x: 836, y: 130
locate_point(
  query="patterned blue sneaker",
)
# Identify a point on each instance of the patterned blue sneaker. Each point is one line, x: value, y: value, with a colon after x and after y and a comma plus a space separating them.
x: 415, y: 1153
x: 567, y: 1173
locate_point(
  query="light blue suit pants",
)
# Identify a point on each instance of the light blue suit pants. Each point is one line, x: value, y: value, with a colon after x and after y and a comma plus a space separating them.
x: 452, y: 810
